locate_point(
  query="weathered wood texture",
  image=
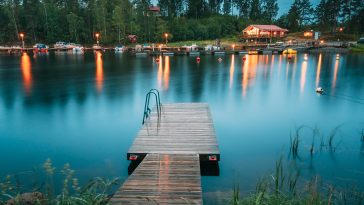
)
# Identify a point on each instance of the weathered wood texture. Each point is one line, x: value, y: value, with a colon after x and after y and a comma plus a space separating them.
x: 184, y: 128
x: 163, y: 179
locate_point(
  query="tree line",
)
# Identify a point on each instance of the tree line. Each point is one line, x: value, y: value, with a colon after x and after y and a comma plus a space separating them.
x: 78, y: 20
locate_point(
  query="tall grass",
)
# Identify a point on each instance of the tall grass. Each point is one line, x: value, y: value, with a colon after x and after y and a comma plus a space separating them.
x: 286, y: 188
x: 95, y: 192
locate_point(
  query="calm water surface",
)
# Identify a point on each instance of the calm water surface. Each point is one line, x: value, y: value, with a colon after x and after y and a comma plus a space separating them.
x: 86, y: 110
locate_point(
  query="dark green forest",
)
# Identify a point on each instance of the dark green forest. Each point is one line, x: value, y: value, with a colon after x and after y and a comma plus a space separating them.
x: 78, y: 20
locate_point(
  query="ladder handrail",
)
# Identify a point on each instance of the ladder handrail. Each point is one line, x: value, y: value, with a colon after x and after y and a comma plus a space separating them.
x: 159, y: 99
x: 147, y: 110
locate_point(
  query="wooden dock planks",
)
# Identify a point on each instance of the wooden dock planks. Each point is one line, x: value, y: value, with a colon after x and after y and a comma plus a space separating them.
x: 184, y: 128
x: 163, y: 179
x: 172, y: 146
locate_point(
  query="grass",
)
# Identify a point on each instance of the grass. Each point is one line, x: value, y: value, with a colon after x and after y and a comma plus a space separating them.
x: 282, y: 190
x: 225, y: 42
x: 95, y: 192
x: 359, y: 48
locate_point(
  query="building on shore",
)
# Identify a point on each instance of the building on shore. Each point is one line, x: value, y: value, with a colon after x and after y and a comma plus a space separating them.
x: 263, y: 33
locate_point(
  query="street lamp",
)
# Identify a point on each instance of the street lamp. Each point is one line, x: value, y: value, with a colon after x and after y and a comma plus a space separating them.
x: 166, y: 35
x: 233, y: 47
x: 22, y: 39
x: 97, y: 38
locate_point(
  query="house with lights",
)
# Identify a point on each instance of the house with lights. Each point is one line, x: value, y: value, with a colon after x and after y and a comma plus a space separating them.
x: 263, y: 32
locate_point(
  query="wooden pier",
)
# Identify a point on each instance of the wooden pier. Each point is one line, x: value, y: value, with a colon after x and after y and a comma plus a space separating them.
x: 171, y: 146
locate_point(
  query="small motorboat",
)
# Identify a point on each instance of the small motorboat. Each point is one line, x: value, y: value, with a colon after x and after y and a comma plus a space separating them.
x: 78, y: 49
x: 40, y: 48
x: 60, y: 45
x: 290, y: 51
x: 320, y: 90
x: 119, y: 49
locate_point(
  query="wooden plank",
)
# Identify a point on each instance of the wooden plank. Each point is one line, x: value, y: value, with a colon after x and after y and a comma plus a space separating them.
x: 182, y: 128
x: 162, y: 179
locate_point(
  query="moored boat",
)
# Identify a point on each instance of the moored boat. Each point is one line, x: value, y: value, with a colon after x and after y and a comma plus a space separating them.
x: 59, y: 45
x: 119, y: 49
x: 78, y: 49
x: 290, y: 51
x: 40, y: 47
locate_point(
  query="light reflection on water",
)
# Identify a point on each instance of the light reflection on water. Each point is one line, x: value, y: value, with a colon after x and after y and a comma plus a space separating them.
x: 26, y: 68
x: 86, y: 110
x: 99, y: 71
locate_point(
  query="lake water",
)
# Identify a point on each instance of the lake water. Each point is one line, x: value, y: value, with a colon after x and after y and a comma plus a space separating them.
x: 86, y: 110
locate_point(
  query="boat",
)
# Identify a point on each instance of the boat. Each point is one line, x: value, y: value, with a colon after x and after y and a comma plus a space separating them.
x: 78, y: 49
x: 70, y: 46
x: 290, y: 51
x: 119, y: 49
x: 320, y: 90
x: 40, y: 47
x: 212, y: 48
x: 59, y: 45
x: 253, y: 52
x: 361, y: 40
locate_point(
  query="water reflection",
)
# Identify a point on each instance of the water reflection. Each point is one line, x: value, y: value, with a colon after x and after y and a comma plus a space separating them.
x: 318, y: 72
x: 248, y: 71
x: 160, y: 71
x: 99, y: 71
x: 336, y: 68
x: 303, y: 75
x: 166, y: 72
x: 232, y: 68
x: 26, y: 67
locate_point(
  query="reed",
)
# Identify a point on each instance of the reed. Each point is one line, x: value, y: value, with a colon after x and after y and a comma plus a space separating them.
x: 295, y: 142
x: 95, y: 192
x: 332, y: 135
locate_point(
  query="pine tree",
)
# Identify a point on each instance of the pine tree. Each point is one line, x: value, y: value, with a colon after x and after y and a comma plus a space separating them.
x: 270, y: 9
x: 243, y: 7
x: 255, y: 11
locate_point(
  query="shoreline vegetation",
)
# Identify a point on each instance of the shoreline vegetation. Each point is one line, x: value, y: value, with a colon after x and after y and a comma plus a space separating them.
x: 285, y: 185
x: 49, y: 21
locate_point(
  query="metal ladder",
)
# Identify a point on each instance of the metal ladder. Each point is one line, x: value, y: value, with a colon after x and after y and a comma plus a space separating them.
x: 147, y: 110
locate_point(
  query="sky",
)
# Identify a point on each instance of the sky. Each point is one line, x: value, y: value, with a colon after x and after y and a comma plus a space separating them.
x: 284, y: 5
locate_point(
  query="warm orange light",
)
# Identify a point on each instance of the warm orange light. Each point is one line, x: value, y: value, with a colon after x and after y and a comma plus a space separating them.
x: 26, y: 72
x: 341, y: 29
x: 232, y: 68
x: 166, y: 35
x: 166, y: 73
x: 308, y: 34
x: 303, y: 75
x: 97, y: 35
x: 99, y: 71
x: 336, y: 68
x: 21, y: 35
x: 321, y: 41
x: 318, y: 72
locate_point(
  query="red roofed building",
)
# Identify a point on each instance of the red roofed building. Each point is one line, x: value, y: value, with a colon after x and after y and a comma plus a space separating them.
x: 264, y: 31
x: 156, y: 9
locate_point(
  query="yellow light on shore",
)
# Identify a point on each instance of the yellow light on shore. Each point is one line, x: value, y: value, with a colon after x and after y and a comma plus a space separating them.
x: 233, y: 46
x: 97, y: 35
x: 22, y: 38
x: 166, y: 36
